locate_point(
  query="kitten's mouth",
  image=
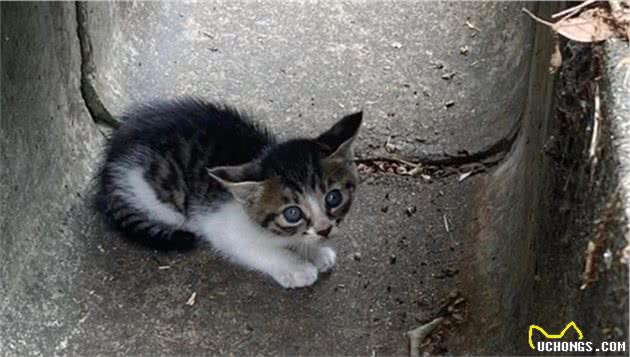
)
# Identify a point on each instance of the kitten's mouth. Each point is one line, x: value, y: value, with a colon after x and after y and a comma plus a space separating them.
x: 315, y: 238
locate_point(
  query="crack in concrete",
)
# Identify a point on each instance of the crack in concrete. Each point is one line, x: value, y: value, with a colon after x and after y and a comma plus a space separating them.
x: 95, y: 106
x: 443, y: 165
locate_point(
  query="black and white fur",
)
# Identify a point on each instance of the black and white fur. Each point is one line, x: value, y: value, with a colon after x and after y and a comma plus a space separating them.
x: 183, y: 171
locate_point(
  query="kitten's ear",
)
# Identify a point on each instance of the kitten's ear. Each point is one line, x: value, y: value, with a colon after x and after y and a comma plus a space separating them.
x: 338, y: 139
x: 244, y: 181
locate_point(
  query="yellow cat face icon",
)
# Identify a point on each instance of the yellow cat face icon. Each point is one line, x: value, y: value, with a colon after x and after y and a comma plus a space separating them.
x: 551, y: 336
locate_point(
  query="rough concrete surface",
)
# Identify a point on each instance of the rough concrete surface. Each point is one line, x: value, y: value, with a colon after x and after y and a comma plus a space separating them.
x: 70, y: 287
x: 423, y: 76
x: 616, y: 96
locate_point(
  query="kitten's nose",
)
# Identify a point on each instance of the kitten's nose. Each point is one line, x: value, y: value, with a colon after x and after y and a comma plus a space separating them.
x: 325, y: 232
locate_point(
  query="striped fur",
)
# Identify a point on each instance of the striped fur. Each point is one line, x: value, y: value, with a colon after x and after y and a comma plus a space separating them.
x: 173, y: 169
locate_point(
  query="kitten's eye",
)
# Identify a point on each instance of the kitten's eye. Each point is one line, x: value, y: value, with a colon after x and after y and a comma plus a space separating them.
x: 333, y: 199
x: 292, y: 214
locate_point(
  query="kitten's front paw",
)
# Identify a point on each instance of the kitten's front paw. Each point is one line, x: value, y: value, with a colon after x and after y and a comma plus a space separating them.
x: 325, y: 259
x: 297, y: 277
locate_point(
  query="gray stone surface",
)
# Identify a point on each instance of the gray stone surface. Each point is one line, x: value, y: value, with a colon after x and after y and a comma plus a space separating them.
x: 616, y: 95
x: 300, y: 65
x: 48, y: 147
x: 70, y: 287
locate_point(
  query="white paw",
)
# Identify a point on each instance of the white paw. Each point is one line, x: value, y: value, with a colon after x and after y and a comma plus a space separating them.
x: 297, y: 277
x: 325, y: 259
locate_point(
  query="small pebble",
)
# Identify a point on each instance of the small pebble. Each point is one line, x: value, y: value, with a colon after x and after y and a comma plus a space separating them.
x: 437, y: 65
x: 410, y: 211
x: 357, y: 256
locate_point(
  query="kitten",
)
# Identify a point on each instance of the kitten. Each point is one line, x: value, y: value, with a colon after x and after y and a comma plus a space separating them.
x: 179, y: 172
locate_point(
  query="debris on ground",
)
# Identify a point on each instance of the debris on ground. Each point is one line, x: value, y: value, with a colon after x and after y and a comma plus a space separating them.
x: 448, y: 75
x: 556, y: 58
x: 447, y: 226
x: 472, y: 26
x: 453, y: 312
x: 596, y: 248
x: 192, y: 299
x: 388, y: 165
x: 426, y: 171
x: 464, y: 176
x: 589, y: 272
x: 417, y: 335
x: 591, y: 21
x: 410, y: 211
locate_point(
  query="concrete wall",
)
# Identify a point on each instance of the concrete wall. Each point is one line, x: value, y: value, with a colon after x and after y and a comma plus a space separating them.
x: 48, y: 147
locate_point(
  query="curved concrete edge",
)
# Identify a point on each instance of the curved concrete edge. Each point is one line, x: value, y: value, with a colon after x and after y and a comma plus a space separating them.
x: 135, y: 45
x: 93, y: 102
x: 616, y: 94
x: 502, y: 253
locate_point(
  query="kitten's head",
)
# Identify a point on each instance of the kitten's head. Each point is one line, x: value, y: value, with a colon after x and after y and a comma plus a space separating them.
x: 302, y: 188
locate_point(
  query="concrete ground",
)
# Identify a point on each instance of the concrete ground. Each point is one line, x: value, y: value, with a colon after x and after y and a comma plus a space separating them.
x: 442, y: 83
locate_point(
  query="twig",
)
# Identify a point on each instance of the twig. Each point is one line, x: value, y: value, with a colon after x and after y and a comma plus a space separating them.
x: 587, y: 275
x: 596, y: 115
x: 417, y: 335
x: 464, y: 176
x: 446, y: 225
x: 592, y: 151
x: 471, y: 26
x: 191, y: 300
x: 525, y: 10
x: 572, y: 10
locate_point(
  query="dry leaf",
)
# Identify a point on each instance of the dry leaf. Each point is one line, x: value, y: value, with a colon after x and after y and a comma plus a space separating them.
x: 589, y: 26
x: 592, y: 25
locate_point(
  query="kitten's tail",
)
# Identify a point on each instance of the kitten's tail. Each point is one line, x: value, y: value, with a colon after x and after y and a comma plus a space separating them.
x: 140, y: 229
x: 112, y: 201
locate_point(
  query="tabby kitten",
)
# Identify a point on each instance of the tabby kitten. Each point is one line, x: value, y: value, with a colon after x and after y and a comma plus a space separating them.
x: 179, y: 172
